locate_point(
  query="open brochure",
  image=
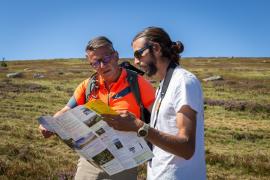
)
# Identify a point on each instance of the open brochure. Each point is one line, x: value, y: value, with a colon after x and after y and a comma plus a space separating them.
x: 83, y: 129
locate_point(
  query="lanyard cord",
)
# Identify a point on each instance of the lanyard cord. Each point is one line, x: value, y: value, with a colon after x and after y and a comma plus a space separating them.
x: 159, y: 103
x: 165, y: 85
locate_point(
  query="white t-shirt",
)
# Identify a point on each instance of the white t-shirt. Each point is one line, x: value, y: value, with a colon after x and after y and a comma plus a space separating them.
x: 184, y: 89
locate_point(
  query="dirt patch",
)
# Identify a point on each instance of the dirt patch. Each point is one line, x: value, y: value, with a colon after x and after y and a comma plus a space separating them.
x: 253, y: 163
x: 238, y: 105
x: 244, y: 85
x: 7, y: 85
x: 240, y: 136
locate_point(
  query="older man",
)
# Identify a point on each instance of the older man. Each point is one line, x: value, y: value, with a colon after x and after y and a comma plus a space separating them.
x: 112, y: 87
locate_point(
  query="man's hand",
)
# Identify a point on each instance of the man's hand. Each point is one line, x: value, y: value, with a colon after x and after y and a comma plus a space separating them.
x: 45, y: 132
x: 125, y: 121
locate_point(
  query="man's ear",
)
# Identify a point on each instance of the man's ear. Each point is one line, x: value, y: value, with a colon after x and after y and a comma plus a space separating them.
x: 86, y: 57
x: 116, y: 55
x: 156, y: 49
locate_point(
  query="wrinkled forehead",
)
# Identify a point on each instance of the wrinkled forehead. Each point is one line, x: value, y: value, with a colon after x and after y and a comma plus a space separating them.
x: 138, y: 43
x: 99, y: 53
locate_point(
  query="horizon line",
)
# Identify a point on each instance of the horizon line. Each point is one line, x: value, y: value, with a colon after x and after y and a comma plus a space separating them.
x: 186, y: 57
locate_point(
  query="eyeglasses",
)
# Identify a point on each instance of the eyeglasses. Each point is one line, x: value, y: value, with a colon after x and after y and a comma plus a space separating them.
x: 138, y: 53
x: 105, y: 60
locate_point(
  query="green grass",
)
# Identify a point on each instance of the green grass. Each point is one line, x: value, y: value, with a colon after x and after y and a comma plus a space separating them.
x: 237, y: 141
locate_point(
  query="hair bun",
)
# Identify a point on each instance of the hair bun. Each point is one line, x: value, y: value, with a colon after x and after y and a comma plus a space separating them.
x: 178, y: 47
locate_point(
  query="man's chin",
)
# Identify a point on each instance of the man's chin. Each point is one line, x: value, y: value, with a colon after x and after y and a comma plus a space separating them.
x: 150, y: 74
x: 107, y: 77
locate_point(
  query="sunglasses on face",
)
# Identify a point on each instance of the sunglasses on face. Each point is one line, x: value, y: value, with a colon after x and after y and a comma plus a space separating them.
x: 139, y: 52
x: 105, y: 60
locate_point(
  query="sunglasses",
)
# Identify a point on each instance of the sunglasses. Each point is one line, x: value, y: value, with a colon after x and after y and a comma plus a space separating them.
x: 105, y: 60
x: 139, y: 52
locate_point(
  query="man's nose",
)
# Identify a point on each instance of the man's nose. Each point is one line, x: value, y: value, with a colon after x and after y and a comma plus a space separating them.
x: 137, y: 61
x: 102, y: 64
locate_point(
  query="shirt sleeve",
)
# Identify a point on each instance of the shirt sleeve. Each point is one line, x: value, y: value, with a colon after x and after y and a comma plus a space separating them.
x: 78, y: 97
x: 147, y: 91
x: 188, y: 92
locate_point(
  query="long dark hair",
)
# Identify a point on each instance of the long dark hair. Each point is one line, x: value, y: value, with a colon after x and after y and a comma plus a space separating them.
x: 169, y: 49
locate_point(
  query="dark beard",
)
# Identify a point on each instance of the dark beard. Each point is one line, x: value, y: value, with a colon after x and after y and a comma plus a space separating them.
x: 152, y: 69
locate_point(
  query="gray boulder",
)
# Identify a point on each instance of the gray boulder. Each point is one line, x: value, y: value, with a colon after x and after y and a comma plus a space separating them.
x: 213, y: 78
x: 15, y: 75
x: 38, y: 76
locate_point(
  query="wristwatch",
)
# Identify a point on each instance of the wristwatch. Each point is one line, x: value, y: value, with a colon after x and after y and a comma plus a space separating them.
x: 143, y: 131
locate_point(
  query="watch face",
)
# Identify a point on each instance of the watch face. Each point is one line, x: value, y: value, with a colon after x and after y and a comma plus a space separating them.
x: 142, y: 133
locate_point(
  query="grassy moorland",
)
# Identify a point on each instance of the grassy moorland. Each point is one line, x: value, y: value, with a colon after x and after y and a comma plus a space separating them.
x: 237, y: 117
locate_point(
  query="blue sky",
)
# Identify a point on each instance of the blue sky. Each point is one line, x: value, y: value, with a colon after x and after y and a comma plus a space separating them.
x: 44, y: 29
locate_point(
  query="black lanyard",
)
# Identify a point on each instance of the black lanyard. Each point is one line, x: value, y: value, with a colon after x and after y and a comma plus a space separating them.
x: 165, y: 85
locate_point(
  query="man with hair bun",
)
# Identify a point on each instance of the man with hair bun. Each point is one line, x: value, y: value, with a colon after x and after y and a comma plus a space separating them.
x: 176, y: 130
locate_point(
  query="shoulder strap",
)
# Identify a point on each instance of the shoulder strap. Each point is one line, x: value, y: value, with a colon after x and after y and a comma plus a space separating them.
x: 132, y: 78
x: 167, y: 79
x: 92, y: 86
x: 165, y: 85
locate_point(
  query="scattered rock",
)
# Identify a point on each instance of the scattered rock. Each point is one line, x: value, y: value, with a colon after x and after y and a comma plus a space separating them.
x: 38, y: 76
x: 15, y: 75
x: 213, y: 78
x: 27, y: 69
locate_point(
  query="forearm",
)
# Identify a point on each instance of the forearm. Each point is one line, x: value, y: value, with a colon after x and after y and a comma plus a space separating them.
x: 181, y: 144
x: 176, y: 144
x: 66, y: 108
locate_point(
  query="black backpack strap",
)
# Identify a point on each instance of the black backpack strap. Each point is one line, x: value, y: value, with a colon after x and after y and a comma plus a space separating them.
x: 132, y: 78
x: 165, y: 85
x: 91, y: 87
x: 127, y: 65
